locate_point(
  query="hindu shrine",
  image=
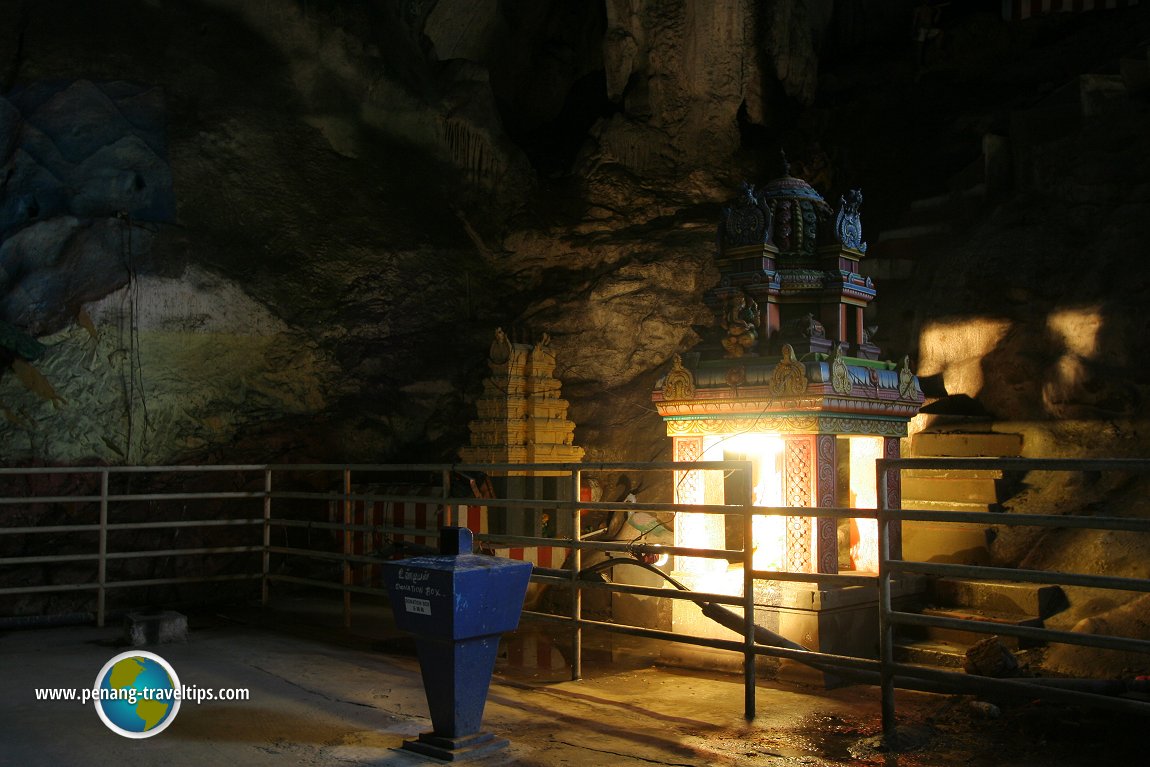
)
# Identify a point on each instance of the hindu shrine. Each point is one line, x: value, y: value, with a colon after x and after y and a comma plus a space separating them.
x: 522, y: 420
x: 792, y: 381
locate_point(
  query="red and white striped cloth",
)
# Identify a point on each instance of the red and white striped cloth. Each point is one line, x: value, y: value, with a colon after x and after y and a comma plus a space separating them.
x: 423, y: 520
x: 1014, y: 10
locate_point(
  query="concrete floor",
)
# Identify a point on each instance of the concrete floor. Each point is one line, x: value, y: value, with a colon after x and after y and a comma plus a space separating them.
x: 324, y: 696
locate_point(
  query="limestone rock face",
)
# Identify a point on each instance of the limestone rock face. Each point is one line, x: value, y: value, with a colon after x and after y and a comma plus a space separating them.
x: 166, y: 368
x: 682, y: 71
x: 332, y: 205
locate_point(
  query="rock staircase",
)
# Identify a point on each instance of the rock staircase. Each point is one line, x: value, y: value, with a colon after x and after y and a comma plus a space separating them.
x: 985, y: 602
x: 954, y: 490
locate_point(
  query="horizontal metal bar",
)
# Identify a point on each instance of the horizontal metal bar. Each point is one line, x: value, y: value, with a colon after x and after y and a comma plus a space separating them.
x: 619, y: 628
x: 182, y: 524
x: 34, y: 500
x: 1024, y: 520
x: 1029, y: 576
x: 177, y: 524
x: 324, y: 526
x: 226, y: 495
x: 292, y: 495
x: 328, y: 584
x: 182, y: 552
x: 727, y: 509
x: 558, y: 504
x: 806, y: 656
x: 47, y: 589
x: 532, y: 615
x: 340, y: 526
x: 1103, y: 641
x: 618, y: 547
x: 131, y: 498
x: 828, y: 579
x: 1018, y: 464
x: 733, y: 555
x: 332, y: 555
x: 524, y: 541
x: 514, y: 467
x: 185, y: 579
x: 624, y: 588
x: 211, y: 468
x: 47, y: 559
x: 52, y: 529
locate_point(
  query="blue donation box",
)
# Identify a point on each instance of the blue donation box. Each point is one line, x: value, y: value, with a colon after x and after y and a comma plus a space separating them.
x: 456, y: 604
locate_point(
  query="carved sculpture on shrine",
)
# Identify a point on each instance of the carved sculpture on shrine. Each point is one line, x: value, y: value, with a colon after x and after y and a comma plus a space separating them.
x: 840, y: 375
x: 746, y: 222
x: 848, y: 222
x: 679, y: 384
x: 796, y: 210
x: 790, y: 376
x: 741, y: 321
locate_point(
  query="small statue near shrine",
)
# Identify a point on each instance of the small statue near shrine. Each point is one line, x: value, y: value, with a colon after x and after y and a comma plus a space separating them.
x: 500, y: 351
x: 741, y: 321
x: 907, y: 383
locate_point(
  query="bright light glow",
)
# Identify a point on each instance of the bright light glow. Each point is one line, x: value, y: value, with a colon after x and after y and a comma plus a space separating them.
x: 864, y: 495
x: 765, y: 451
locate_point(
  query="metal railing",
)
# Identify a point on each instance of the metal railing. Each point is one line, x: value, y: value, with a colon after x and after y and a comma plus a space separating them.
x: 104, y: 526
x: 267, y: 516
x: 892, y: 563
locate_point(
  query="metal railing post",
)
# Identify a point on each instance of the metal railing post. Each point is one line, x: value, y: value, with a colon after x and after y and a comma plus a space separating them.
x: 102, y: 562
x: 347, y: 547
x: 448, y: 515
x: 267, y: 537
x: 886, y: 627
x: 576, y: 566
x: 748, y: 595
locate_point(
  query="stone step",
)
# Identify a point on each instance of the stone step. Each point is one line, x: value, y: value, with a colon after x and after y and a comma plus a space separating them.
x: 934, y: 653
x: 944, y: 489
x: 963, y: 543
x: 965, y: 444
x: 985, y: 618
x: 1001, y: 597
x: 930, y: 652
